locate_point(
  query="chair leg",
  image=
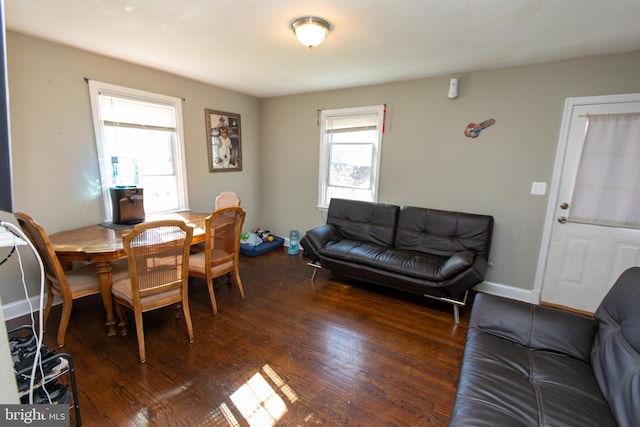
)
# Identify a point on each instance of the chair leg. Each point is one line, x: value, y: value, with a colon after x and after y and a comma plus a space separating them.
x: 123, y: 319
x: 64, y: 321
x: 140, y: 333
x: 236, y: 276
x: 212, y: 297
x: 47, y: 309
x: 187, y: 318
x: 456, y: 314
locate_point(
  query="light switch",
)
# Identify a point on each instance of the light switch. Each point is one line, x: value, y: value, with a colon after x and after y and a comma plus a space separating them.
x: 539, y: 188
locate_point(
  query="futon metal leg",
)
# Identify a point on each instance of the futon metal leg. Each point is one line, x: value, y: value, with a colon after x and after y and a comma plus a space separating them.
x: 316, y: 266
x: 456, y: 304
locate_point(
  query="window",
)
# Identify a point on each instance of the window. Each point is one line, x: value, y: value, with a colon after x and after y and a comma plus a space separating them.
x: 139, y: 139
x: 350, y: 147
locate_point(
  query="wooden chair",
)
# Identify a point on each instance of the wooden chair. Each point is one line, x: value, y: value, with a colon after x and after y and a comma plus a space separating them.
x: 227, y: 199
x: 158, y: 256
x: 222, y: 249
x: 66, y: 285
x: 223, y: 200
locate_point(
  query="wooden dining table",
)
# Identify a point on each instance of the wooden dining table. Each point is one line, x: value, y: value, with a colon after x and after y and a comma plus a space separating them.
x: 102, y: 245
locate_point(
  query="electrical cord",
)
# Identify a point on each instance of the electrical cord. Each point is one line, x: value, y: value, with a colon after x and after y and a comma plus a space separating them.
x: 13, y: 249
x: 37, y: 362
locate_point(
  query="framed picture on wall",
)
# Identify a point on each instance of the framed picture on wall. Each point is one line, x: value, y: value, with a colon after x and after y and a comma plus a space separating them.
x: 224, y: 141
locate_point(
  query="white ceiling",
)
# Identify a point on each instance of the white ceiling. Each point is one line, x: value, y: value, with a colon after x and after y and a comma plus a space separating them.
x: 248, y: 46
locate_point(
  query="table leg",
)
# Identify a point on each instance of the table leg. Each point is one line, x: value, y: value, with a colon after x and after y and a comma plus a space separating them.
x: 106, y: 280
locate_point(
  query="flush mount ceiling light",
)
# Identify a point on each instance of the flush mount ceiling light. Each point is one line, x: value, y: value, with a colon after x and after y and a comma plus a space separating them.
x: 310, y: 31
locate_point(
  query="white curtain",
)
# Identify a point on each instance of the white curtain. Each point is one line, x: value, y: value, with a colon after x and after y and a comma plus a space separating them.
x: 607, y: 189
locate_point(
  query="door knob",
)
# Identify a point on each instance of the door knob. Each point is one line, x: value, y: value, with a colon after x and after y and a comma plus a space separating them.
x: 564, y: 206
x: 562, y: 219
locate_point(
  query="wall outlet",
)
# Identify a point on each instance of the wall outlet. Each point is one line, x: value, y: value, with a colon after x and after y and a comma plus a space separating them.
x: 539, y: 188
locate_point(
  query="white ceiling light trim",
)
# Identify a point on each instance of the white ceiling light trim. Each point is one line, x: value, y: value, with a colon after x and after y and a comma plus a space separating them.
x: 310, y: 31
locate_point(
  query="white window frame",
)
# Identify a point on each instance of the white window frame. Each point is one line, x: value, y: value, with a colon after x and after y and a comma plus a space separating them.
x: 100, y: 88
x: 325, y: 149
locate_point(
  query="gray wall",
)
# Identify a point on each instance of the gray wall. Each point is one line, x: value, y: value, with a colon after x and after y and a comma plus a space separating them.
x: 426, y: 159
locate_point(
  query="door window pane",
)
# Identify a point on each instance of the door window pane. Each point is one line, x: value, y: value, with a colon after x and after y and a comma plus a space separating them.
x: 607, y: 188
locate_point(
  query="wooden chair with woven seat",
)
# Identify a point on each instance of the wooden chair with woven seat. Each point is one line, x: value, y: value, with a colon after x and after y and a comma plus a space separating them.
x: 223, y: 200
x: 222, y: 250
x: 67, y: 285
x: 158, y: 258
x: 227, y: 199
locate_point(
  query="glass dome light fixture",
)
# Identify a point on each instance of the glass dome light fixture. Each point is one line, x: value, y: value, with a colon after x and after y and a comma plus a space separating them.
x: 310, y: 30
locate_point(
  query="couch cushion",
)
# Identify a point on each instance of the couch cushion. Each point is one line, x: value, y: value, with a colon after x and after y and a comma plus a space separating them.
x: 616, y: 350
x: 503, y: 383
x: 534, y: 326
x: 443, y: 233
x: 420, y: 265
x: 356, y: 220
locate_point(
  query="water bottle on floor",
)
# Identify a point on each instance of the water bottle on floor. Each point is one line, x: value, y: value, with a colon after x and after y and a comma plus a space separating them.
x: 294, y: 240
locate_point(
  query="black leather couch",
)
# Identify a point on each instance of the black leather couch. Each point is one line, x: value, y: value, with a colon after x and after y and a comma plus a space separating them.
x: 428, y: 252
x: 530, y: 365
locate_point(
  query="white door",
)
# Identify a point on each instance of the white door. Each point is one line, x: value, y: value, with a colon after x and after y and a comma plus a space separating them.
x: 583, y: 260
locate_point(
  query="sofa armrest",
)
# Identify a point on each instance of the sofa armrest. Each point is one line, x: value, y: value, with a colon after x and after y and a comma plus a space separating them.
x: 322, y: 235
x: 456, y: 264
x: 534, y: 326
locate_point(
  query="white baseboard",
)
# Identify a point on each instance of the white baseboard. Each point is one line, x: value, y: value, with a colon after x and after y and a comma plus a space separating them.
x: 22, y: 307
x: 526, y: 295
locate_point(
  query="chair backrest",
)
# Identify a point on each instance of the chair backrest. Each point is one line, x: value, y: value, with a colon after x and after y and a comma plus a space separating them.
x: 227, y: 199
x: 40, y: 239
x: 223, y: 229
x: 158, y: 256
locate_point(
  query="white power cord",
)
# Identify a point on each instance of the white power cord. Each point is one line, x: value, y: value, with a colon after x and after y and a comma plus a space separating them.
x: 37, y: 362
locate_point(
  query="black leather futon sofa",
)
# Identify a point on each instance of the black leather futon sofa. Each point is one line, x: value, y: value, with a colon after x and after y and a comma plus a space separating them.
x: 428, y: 252
x: 529, y: 365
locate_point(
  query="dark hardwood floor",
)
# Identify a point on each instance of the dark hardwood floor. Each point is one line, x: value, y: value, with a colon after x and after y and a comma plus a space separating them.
x: 293, y: 353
